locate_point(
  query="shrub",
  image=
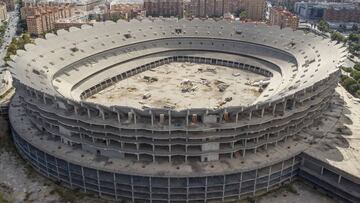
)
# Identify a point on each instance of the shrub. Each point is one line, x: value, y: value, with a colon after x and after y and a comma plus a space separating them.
x: 357, y: 66
x: 348, y: 82
x: 346, y: 69
x: 337, y: 36
x: 355, y: 74
x: 354, y: 88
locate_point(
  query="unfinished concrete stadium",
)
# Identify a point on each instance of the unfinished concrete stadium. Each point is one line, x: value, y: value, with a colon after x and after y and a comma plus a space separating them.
x: 167, y: 110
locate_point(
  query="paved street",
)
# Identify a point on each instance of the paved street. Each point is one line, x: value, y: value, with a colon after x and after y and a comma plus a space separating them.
x: 9, y: 34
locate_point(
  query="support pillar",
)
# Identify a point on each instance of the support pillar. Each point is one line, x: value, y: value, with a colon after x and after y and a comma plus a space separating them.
x: 274, y: 109
x: 89, y: 113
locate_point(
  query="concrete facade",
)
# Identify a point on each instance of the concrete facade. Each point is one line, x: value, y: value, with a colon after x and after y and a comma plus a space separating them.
x: 164, y: 154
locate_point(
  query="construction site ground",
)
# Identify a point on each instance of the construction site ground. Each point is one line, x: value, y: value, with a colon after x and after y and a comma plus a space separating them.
x: 184, y: 85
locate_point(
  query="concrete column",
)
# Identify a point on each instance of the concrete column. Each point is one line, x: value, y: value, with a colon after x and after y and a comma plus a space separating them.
x: 76, y: 110
x: 88, y: 111
x: 274, y: 109
x: 69, y: 174
x: 169, y: 121
x: 132, y: 189
x: 206, y: 188
x: 250, y: 115
x: 268, y: 184
x: 150, y: 188
x: 282, y: 168
x: 187, y: 118
x: 152, y: 119
x: 169, y: 197
x: 102, y: 113
x: 285, y: 103
x: 223, y: 195
x: 114, y: 179
x: 322, y: 170
x: 240, y: 184
x: 262, y: 112
x: 237, y: 117
x: 162, y: 119
x: 83, y: 178
x: 294, y: 104
x: 292, y: 167
x: 98, y: 182
x: 255, y: 181
x: 134, y: 117
x: 339, y: 179
x: 118, y: 117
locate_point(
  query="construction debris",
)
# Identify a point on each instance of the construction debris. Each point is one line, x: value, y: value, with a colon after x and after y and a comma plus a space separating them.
x: 146, y: 95
x: 211, y: 70
x: 131, y: 89
x: 222, y: 86
x: 205, y: 82
x: 228, y: 99
x: 260, y: 83
x: 222, y: 103
x: 150, y: 79
x: 187, y: 86
x: 236, y: 74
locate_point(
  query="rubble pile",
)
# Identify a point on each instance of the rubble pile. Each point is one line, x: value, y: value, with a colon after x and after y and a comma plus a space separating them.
x: 222, y: 86
x: 150, y: 79
x: 187, y: 86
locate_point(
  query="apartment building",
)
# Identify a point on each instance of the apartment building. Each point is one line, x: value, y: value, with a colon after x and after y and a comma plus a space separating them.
x: 209, y: 8
x: 283, y: 18
x: 255, y: 9
x: 126, y: 11
x: 41, y: 18
x: 164, y: 8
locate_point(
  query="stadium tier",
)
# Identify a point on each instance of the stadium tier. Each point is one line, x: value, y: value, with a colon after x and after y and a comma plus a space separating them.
x: 167, y: 110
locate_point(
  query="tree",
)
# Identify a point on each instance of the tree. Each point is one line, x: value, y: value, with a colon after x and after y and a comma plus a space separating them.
x: 355, y: 74
x: 346, y: 69
x: 243, y: 15
x: 357, y: 66
x: 354, y: 88
x: 354, y: 37
x: 323, y: 26
x: 337, y: 36
x: 348, y: 82
x: 354, y: 48
x: 355, y: 28
x: 17, y: 44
